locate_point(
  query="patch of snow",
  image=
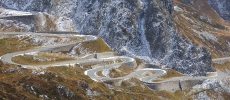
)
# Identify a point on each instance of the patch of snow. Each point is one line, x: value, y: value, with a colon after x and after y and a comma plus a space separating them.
x: 73, y: 51
x: 32, y: 53
x: 92, y: 93
x: 218, y: 86
x: 8, y: 12
x: 203, y: 96
x: 189, y: 19
x: 225, y: 84
x: 36, y: 72
x: 178, y: 9
x: 164, y: 72
x: 10, y: 25
x: 228, y: 43
x: 210, y: 84
x: 206, y: 35
x: 84, y: 51
x: 64, y: 24
x: 89, y: 92
x: 132, y: 54
x: 43, y: 96
x: 105, y: 72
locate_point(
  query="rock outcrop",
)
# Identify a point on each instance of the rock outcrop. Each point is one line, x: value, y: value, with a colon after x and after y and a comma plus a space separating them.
x: 222, y: 7
x: 218, y: 88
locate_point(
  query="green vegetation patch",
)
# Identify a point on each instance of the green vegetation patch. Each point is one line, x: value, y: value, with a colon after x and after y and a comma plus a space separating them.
x: 9, y: 45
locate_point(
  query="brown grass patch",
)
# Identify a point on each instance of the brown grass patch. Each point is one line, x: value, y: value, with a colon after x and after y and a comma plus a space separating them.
x: 149, y: 73
x: 115, y: 73
x: 22, y: 83
x: 9, y: 45
x: 71, y: 73
x: 121, y: 71
x: 97, y: 46
x: 57, y: 39
x: 215, y: 26
x: 88, y: 65
x: 223, y: 67
x: 41, y: 58
x: 138, y: 61
x: 99, y: 73
x: 17, y: 85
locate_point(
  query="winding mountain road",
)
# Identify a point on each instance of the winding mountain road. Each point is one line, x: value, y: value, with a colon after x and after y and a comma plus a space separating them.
x: 92, y: 73
x: 221, y: 60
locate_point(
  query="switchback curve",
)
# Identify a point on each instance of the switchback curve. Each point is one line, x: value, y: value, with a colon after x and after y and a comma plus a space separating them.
x: 92, y: 73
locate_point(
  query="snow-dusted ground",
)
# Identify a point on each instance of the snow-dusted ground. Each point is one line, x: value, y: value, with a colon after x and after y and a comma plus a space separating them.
x: 206, y: 35
x: 222, y: 7
x: 141, y: 29
x: 42, y: 40
x: 11, y: 26
x: 8, y: 12
x: 219, y: 87
x: 178, y: 9
x: 106, y: 72
x: 45, y: 21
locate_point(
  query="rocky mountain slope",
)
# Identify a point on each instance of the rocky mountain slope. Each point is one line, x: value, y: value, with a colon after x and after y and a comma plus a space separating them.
x: 222, y: 7
x: 12, y: 20
x: 202, y: 23
x: 140, y: 28
x: 199, y: 22
x: 180, y: 34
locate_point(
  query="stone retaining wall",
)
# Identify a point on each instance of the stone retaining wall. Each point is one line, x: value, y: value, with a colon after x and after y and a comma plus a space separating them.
x: 211, y: 74
x: 173, y: 86
x: 168, y: 86
x: 61, y: 49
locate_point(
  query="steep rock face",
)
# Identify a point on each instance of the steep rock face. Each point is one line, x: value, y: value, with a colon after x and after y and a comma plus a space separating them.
x: 169, y: 46
x: 198, y: 21
x: 222, y: 7
x: 19, y: 21
x: 219, y: 90
x: 139, y: 28
x: 26, y: 5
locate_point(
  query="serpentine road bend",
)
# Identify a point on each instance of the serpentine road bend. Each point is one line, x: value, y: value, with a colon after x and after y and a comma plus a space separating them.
x: 92, y: 73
